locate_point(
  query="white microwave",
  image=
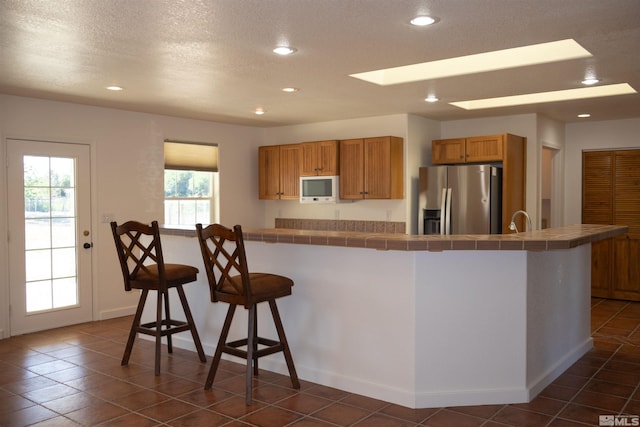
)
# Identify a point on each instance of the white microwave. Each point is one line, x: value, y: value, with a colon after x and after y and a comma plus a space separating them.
x: 319, y: 189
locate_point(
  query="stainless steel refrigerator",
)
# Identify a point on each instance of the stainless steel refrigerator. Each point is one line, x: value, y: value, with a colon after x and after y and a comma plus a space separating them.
x: 464, y: 199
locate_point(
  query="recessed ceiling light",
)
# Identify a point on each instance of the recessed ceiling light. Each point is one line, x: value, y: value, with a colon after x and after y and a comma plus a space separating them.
x: 489, y: 61
x: 584, y: 116
x: 536, y: 98
x: 590, y: 81
x: 290, y: 89
x: 422, y: 21
x: 284, y: 50
x: 431, y: 98
x: 114, y: 88
x: 259, y: 111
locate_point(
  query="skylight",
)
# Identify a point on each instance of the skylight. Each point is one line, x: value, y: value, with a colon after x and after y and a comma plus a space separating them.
x: 489, y: 61
x: 536, y: 98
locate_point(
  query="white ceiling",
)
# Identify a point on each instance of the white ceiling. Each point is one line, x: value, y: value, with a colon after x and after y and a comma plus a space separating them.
x: 213, y: 60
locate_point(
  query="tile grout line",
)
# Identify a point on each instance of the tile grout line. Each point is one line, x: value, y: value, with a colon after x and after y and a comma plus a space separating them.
x: 557, y: 415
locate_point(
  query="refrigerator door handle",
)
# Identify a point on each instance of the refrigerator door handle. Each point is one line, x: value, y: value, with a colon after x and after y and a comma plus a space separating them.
x: 449, y: 192
x: 448, y: 213
x: 443, y: 211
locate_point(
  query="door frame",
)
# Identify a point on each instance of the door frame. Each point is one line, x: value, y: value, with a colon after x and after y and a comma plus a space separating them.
x: 5, y: 316
x: 557, y: 184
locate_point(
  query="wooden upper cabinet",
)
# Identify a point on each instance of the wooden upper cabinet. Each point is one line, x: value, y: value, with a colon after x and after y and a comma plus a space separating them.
x: 476, y: 149
x: 269, y: 172
x: 352, y: 169
x: 279, y: 172
x: 319, y: 158
x: 372, y: 168
x: 485, y: 148
x: 290, y: 160
x: 448, y: 151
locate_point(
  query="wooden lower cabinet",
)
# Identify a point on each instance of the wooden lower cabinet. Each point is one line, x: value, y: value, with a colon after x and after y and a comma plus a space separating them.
x: 615, y: 268
x: 611, y: 195
x: 626, y: 268
x: 601, y: 256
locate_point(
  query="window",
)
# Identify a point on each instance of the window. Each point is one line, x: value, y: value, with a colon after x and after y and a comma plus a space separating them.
x: 190, y: 183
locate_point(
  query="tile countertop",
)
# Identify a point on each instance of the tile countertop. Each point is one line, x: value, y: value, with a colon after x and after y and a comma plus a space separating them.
x: 537, y: 240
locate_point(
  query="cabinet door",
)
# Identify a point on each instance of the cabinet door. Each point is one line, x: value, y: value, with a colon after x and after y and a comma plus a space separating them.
x: 377, y: 168
x: 448, y: 151
x: 601, y: 257
x: 319, y: 158
x: 308, y: 164
x: 351, y: 169
x: 269, y: 172
x: 290, y: 160
x: 484, y: 149
x: 626, y: 268
x: 626, y: 211
x: 327, y: 158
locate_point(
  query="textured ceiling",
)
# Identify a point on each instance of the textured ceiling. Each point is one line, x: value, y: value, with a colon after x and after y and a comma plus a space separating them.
x: 212, y: 59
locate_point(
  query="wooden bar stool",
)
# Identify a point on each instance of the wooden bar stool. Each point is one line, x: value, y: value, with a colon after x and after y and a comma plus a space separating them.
x: 230, y: 281
x: 143, y: 268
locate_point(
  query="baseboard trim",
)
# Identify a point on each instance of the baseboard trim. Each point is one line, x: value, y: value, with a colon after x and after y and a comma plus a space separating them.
x: 118, y: 312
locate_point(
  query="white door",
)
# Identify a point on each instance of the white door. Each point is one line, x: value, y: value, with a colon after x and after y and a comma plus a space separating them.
x: 49, y: 213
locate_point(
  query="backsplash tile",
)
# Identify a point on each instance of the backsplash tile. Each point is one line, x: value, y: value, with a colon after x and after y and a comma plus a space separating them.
x: 342, y: 225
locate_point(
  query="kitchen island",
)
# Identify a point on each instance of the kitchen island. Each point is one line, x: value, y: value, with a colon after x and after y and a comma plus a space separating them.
x: 420, y: 321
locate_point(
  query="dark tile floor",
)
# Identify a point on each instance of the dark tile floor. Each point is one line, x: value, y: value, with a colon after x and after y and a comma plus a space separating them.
x: 72, y: 376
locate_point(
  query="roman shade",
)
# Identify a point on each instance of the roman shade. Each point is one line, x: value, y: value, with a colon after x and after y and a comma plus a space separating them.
x: 191, y: 156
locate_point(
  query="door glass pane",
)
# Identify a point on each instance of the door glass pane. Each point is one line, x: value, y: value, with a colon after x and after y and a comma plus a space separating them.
x: 50, y: 232
x: 36, y: 233
x: 64, y: 292
x: 39, y: 296
x: 36, y: 171
x: 62, y: 202
x: 38, y: 264
x: 37, y: 202
x: 63, y: 232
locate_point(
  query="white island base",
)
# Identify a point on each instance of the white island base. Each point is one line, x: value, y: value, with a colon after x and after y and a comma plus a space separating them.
x: 415, y: 328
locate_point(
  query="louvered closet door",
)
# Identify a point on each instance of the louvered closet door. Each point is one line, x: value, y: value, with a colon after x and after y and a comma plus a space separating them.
x: 626, y: 211
x: 611, y: 195
x: 597, y: 208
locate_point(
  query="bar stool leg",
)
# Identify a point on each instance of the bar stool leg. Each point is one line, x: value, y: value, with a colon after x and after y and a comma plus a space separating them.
x: 192, y: 323
x: 251, y: 345
x: 221, y: 344
x: 285, y: 345
x: 158, y: 332
x: 134, y: 328
x: 167, y: 320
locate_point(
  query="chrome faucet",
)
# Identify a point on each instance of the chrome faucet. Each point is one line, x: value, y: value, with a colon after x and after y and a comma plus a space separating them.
x: 512, y: 226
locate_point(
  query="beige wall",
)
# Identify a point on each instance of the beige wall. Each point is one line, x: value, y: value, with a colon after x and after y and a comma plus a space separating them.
x: 127, y: 151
